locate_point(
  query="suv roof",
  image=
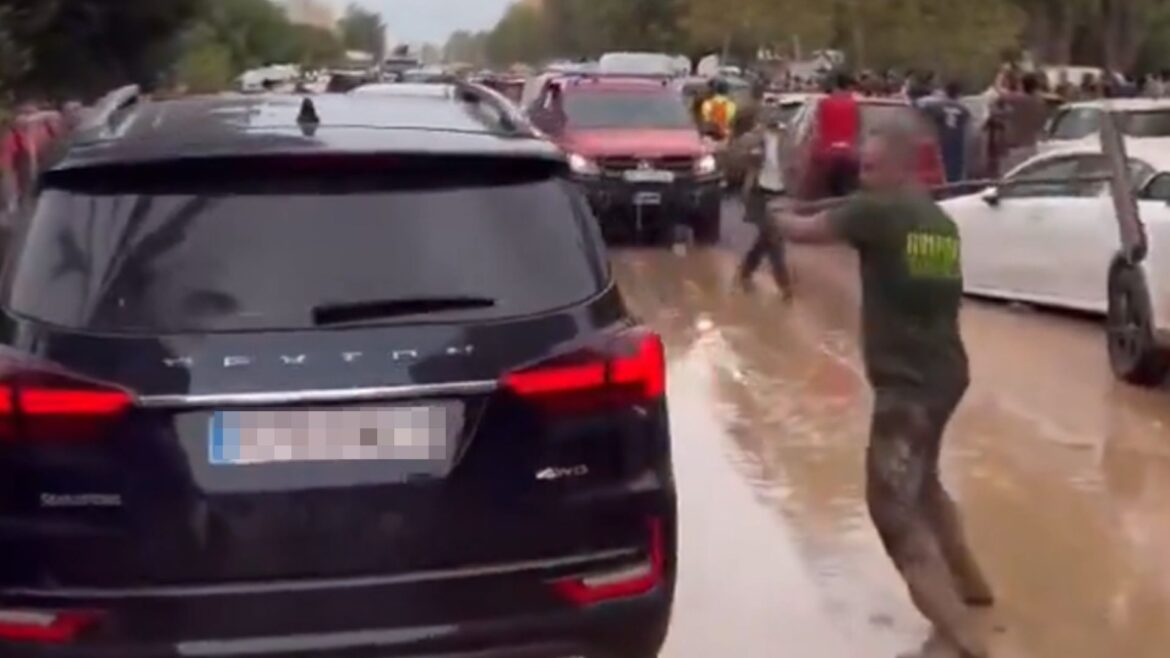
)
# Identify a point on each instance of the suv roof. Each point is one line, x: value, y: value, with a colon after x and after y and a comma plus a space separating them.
x: 467, y: 120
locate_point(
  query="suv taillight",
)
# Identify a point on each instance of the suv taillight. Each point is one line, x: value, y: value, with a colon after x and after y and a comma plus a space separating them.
x: 630, y: 370
x: 36, y: 405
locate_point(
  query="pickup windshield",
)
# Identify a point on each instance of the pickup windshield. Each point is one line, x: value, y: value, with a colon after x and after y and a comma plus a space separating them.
x: 614, y: 109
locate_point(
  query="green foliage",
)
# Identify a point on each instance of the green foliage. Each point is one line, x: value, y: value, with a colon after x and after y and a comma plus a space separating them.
x: 315, y: 46
x: 467, y: 47
x: 205, y: 68
x: 14, y: 61
x: 363, y: 30
x: 232, y: 36
x: 519, y: 37
x: 84, y: 47
x: 957, y: 37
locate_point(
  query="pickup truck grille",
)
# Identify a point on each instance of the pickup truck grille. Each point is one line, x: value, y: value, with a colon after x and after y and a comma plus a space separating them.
x: 675, y: 163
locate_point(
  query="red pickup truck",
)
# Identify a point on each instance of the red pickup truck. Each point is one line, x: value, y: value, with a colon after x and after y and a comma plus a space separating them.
x: 635, y: 148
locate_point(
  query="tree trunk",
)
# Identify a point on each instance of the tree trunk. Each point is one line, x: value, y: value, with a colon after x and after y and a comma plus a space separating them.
x: 857, y: 34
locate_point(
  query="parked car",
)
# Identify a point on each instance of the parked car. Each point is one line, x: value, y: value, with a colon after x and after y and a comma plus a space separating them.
x: 1139, y: 118
x: 634, y: 146
x: 333, y: 377
x: 804, y: 158
x: 1054, y: 242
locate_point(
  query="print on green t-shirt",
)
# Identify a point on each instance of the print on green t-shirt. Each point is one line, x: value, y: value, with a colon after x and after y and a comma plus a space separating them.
x: 932, y: 256
x: 910, y: 260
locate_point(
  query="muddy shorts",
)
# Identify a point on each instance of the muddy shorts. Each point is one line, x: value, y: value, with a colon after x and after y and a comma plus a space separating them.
x: 902, y: 458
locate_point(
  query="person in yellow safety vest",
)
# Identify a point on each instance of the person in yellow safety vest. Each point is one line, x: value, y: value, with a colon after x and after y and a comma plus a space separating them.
x: 719, y: 110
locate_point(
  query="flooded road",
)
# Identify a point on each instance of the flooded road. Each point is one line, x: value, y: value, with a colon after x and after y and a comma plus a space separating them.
x: 1063, y: 473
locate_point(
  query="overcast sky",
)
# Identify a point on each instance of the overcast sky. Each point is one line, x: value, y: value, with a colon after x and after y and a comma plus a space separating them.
x: 432, y: 20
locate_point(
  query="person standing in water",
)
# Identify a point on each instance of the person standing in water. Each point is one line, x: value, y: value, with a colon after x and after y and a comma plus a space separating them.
x: 917, y: 366
x: 764, y: 182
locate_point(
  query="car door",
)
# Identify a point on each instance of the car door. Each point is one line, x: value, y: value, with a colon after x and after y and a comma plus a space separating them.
x: 1080, y: 238
x: 1006, y: 249
x: 1154, y: 210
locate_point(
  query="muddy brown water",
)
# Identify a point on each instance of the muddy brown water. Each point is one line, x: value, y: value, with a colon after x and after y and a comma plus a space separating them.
x: 1064, y: 474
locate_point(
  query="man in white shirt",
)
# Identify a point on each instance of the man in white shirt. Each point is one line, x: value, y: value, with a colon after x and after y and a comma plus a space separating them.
x: 764, y: 182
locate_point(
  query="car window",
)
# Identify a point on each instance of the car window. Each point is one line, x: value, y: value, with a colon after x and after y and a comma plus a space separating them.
x: 1089, y: 166
x: 1154, y: 123
x: 225, y: 252
x: 788, y: 112
x: 804, y: 120
x: 1098, y: 165
x: 1076, y: 123
x: 1158, y: 189
x: 1052, y: 175
x: 627, y: 109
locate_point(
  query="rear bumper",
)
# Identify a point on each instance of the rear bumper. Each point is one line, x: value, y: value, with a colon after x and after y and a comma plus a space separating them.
x: 623, y: 205
x: 596, y: 631
x: 478, y: 611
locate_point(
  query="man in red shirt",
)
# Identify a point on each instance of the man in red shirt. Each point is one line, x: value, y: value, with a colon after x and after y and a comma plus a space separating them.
x: 838, y: 134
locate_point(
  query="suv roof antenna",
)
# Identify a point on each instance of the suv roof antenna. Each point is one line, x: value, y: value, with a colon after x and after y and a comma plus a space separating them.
x: 308, y: 113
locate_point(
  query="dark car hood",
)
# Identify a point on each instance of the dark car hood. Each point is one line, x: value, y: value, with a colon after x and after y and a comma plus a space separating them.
x: 641, y: 142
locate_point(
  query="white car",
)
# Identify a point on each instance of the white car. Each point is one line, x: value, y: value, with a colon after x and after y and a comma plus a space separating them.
x: 1056, y: 243
x: 1080, y: 123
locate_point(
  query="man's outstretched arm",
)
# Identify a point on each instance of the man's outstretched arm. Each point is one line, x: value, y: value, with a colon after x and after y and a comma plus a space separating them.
x: 812, y: 229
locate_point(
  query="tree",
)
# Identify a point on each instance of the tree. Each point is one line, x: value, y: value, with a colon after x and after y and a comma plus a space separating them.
x: 314, y: 46
x: 518, y: 37
x: 205, y: 66
x: 363, y: 30
x: 84, y: 47
x: 14, y: 61
x: 254, y: 32
x: 466, y: 47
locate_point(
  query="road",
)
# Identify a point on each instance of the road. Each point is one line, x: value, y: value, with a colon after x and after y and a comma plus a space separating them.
x: 1064, y: 474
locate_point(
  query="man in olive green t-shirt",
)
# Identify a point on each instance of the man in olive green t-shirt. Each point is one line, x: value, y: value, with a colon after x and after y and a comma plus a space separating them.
x: 912, y: 286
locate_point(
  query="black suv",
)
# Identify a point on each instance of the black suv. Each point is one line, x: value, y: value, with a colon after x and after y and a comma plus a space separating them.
x: 340, y: 377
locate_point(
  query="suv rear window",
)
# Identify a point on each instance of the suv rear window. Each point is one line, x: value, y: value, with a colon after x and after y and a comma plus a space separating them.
x: 232, y: 248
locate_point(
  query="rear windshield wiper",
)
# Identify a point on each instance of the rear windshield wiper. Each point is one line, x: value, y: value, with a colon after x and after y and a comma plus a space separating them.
x: 376, y: 309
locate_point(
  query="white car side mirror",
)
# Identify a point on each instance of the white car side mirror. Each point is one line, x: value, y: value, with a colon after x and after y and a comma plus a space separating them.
x: 990, y: 196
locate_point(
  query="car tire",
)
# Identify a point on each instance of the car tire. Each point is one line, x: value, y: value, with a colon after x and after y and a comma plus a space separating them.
x: 1134, y: 353
x: 709, y: 224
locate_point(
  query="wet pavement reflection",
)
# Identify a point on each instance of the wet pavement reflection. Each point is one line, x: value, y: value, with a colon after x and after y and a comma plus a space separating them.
x: 1064, y: 474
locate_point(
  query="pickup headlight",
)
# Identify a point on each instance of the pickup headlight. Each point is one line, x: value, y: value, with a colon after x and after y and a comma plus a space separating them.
x: 706, y: 165
x: 580, y: 164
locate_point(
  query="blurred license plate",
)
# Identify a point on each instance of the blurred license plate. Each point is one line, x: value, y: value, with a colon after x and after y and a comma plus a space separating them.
x: 649, y: 176
x: 647, y: 199
x: 377, y: 433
